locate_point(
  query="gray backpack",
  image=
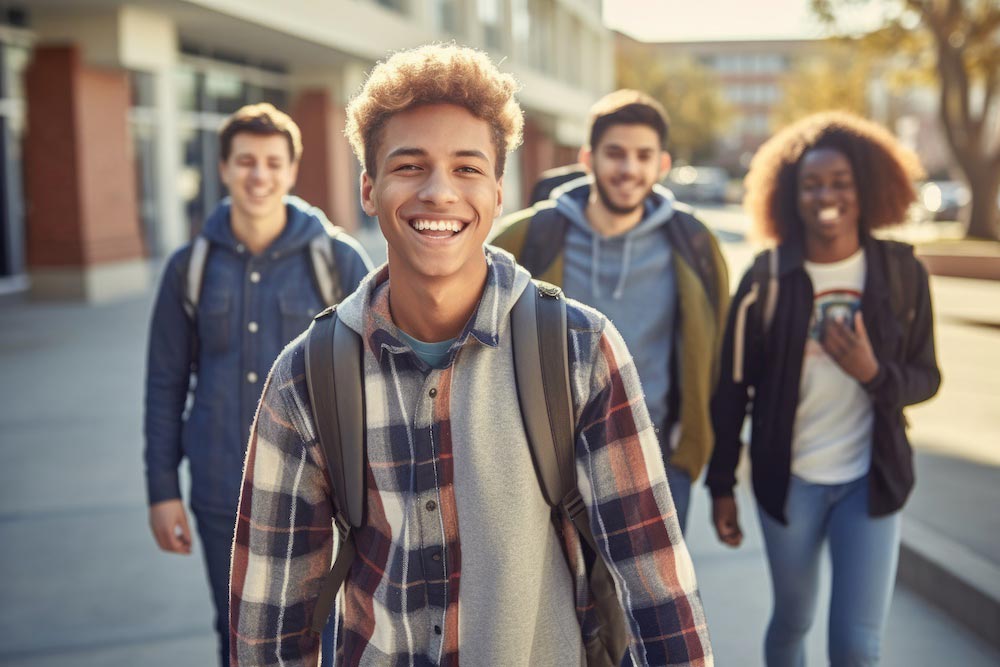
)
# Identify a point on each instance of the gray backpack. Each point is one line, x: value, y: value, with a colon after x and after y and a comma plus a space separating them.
x: 334, y: 376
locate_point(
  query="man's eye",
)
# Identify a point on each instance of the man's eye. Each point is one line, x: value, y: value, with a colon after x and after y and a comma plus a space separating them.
x: 406, y: 167
x: 469, y: 170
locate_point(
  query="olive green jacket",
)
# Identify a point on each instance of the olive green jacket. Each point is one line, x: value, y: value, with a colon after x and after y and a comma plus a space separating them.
x: 703, y: 300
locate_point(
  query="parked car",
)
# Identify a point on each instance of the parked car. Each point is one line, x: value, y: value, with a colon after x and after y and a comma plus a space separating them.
x: 944, y: 200
x: 700, y: 184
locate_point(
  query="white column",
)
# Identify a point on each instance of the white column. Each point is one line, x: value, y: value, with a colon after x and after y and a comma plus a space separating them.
x: 148, y: 42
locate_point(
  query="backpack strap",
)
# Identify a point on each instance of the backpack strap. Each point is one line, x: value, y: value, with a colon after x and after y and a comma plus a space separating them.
x: 333, y: 356
x: 769, y: 289
x: 541, y: 368
x: 693, y: 241
x: 763, y: 294
x: 194, y: 275
x: 544, y: 239
x: 324, y: 267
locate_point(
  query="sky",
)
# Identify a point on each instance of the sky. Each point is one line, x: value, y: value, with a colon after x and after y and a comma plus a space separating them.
x: 709, y: 20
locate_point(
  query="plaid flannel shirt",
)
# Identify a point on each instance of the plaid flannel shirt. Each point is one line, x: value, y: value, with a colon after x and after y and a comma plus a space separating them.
x: 400, y: 587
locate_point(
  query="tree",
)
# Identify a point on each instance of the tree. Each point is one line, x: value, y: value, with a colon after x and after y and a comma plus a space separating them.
x: 964, y: 40
x: 690, y: 93
x: 844, y: 76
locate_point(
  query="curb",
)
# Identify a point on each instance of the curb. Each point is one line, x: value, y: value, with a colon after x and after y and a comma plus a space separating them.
x: 982, y: 267
x: 950, y: 576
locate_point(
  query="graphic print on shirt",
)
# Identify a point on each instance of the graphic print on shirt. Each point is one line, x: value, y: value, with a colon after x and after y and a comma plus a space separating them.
x: 832, y: 304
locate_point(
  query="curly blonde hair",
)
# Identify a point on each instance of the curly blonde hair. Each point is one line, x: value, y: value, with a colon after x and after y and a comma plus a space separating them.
x: 435, y: 74
x: 883, y: 173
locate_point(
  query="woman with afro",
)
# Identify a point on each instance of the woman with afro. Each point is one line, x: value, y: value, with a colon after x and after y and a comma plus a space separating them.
x: 830, y: 337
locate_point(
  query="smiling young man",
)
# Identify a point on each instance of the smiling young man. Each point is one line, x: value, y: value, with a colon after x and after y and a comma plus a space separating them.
x: 459, y: 557
x: 618, y: 242
x: 258, y: 291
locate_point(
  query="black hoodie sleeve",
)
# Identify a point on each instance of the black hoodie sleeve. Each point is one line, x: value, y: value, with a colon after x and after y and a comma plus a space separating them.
x: 729, y: 402
x: 916, y: 378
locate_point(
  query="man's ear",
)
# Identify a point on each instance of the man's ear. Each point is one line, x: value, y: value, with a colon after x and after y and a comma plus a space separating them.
x: 586, y: 157
x: 367, y: 201
x: 665, y: 164
x: 295, y: 175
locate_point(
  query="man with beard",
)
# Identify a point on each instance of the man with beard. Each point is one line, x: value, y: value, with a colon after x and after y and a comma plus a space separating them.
x: 616, y: 240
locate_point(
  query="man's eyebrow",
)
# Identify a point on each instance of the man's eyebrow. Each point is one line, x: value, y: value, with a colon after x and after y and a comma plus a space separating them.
x: 472, y: 153
x: 404, y: 151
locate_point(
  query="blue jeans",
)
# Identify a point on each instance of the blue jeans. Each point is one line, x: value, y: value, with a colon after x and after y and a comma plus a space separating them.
x: 863, y: 553
x: 680, y: 489
x: 216, y: 533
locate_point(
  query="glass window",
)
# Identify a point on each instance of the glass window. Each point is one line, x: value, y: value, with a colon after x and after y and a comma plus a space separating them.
x: 224, y: 91
x: 520, y: 28
x: 189, y: 86
x: 144, y: 134
x: 446, y: 15
x: 488, y: 12
x: 13, y: 60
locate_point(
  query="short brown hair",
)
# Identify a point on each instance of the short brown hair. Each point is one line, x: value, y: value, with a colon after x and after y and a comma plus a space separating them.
x: 627, y: 107
x: 883, y: 173
x: 264, y: 120
x: 435, y: 74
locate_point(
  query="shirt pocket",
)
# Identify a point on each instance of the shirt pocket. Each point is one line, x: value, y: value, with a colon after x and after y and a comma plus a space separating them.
x: 297, y: 313
x: 215, y: 321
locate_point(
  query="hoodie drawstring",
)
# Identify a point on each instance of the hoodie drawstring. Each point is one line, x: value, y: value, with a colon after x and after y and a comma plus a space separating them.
x: 595, y: 245
x: 626, y: 256
x: 595, y: 254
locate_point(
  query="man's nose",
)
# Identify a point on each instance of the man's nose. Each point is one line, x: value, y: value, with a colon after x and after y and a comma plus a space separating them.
x: 438, y: 188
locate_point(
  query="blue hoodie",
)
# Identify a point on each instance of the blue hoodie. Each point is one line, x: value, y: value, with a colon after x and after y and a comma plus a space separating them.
x: 629, y: 278
x: 250, y: 307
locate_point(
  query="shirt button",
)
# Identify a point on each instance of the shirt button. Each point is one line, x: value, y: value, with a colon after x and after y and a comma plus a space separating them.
x: 251, y: 377
x: 436, y: 556
x: 433, y: 393
x: 437, y: 629
x: 240, y: 248
x: 255, y: 277
x: 252, y: 327
x: 431, y: 505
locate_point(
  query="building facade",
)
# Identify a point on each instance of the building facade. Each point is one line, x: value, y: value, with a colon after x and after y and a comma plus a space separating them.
x: 109, y: 112
x: 753, y: 75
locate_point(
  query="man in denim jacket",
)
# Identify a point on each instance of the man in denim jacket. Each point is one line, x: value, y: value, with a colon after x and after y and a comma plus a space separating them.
x: 258, y: 291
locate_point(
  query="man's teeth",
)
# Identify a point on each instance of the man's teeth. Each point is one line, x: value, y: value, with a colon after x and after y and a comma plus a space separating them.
x: 437, y: 225
x: 828, y: 214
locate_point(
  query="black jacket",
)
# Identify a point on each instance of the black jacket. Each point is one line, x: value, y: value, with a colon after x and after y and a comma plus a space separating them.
x: 903, y: 343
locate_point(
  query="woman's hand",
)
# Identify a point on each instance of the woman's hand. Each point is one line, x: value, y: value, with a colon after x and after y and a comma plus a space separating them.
x: 852, y: 350
x: 725, y: 518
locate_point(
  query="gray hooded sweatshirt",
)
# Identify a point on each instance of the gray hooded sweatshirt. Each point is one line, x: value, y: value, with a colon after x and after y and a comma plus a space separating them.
x: 629, y: 278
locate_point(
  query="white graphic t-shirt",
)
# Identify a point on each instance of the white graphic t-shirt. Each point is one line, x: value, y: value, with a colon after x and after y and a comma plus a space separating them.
x: 831, y: 441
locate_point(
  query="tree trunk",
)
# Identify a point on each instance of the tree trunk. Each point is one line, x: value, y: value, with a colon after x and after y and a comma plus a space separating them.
x: 984, y: 214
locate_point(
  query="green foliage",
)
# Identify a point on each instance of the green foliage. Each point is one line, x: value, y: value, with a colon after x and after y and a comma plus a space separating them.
x: 690, y: 93
x: 835, y: 77
x: 955, y: 43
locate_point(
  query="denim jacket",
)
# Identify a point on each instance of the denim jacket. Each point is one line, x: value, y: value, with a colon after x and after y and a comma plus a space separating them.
x: 250, y: 307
